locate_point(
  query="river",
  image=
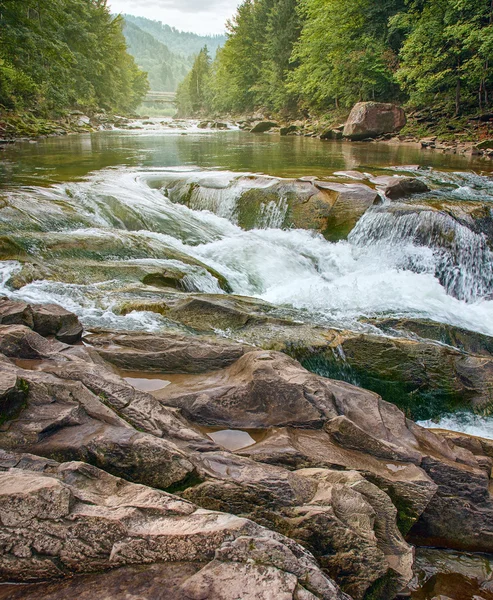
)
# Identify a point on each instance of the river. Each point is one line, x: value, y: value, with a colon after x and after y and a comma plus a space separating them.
x: 87, y: 210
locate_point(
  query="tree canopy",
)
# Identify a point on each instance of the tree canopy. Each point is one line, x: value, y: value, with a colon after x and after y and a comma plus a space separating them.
x: 60, y: 54
x: 311, y: 55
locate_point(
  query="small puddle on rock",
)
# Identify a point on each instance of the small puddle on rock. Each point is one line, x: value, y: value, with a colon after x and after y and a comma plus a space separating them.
x: 234, y: 439
x: 145, y: 384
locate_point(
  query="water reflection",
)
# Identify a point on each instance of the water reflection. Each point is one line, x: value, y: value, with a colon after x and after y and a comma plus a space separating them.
x: 69, y: 158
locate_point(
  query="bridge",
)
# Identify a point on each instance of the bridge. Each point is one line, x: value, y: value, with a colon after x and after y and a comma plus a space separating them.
x: 160, y: 98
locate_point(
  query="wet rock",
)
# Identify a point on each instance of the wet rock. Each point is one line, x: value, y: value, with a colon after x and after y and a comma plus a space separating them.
x: 331, y: 134
x: 59, y: 417
x: 164, y: 353
x: 289, y: 129
x: 216, y: 313
x: 53, y: 320
x: 452, y: 575
x: 330, y: 208
x: 457, y: 337
x: 371, y: 119
x: 321, y: 509
x: 15, y: 313
x: 79, y: 519
x: 263, y: 126
x: 18, y: 341
x: 403, y: 187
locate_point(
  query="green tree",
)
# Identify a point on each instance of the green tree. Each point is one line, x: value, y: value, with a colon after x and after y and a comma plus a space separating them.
x: 192, y: 93
x: 448, y: 53
x: 59, y: 54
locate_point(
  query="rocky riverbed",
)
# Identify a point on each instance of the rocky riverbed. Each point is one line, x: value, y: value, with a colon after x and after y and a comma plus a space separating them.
x: 114, y: 486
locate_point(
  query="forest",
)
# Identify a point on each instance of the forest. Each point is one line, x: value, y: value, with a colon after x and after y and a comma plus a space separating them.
x: 307, y: 57
x: 163, y: 52
x: 57, y: 55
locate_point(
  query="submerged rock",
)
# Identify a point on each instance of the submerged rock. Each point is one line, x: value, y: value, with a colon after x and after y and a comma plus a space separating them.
x: 371, y: 119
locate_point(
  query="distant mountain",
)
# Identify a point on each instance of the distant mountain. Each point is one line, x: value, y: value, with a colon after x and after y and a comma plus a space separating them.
x: 179, y: 42
x: 165, y: 68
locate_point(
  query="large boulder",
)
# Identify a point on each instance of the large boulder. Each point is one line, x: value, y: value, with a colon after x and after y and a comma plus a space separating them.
x: 371, y: 119
x: 64, y: 519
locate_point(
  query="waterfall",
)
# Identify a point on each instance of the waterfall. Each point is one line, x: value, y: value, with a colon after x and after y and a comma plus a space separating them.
x: 462, y: 260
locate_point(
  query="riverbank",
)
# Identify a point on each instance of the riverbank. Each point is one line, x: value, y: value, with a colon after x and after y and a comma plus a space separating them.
x: 467, y: 135
x: 26, y: 126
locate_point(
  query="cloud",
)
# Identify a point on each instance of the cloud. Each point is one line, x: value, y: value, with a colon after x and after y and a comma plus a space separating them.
x: 200, y: 16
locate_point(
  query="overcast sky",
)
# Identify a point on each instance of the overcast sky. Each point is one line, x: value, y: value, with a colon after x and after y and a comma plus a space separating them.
x: 199, y: 16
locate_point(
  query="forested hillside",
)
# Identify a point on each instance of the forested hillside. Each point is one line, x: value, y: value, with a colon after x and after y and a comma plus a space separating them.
x: 179, y: 42
x: 311, y: 56
x: 164, y: 68
x: 57, y: 55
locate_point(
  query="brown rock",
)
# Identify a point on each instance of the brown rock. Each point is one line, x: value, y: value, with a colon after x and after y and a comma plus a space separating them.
x: 371, y: 119
x: 53, y: 320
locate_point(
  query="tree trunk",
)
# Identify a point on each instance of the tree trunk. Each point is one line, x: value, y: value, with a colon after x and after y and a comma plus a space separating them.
x: 457, y: 97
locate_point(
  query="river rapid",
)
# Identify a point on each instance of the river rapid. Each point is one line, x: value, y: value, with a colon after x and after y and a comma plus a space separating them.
x: 86, y: 210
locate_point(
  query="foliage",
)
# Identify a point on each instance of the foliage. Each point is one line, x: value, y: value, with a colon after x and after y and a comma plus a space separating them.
x: 164, y: 69
x: 61, y: 54
x: 178, y: 42
x: 308, y: 56
x: 448, y: 53
x: 192, y: 93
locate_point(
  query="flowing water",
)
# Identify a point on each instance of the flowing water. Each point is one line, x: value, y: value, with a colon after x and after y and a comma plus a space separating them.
x: 90, y: 213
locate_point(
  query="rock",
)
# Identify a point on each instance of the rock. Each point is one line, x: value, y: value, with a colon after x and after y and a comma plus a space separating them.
x: 214, y: 313
x: 452, y: 575
x: 51, y: 319
x: 331, y: 134
x: 429, y: 142
x: 351, y: 201
x: 258, y: 391
x: 371, y: 119
x: 467, y: 341
x: 402, y: 187
x: 318, y: 508
x: 166, y: 353
x: 289, y: 129
x: 469, y: 505
x: 331, y: 208
x: 18, y: 341
x: 61, y: 418
x: 263, y: 126
x: 15, y: 313
x: 78, y: 519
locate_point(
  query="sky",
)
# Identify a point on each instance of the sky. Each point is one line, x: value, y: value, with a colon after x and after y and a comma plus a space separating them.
x: 198, y: 16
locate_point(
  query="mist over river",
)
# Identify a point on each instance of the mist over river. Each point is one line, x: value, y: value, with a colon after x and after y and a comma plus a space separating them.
x: 83, y: 216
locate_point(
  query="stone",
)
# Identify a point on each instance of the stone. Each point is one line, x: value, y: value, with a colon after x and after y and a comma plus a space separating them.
x: 76, y: 518
x: 371, y: 119
x: 403, y: 187
x: 15, y: 313
x: 263, y: 126
x: 171, y: 353
x: 288, y: 129
x: 18, y: 341
x: 53, y: 320
x: 485, y: 145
